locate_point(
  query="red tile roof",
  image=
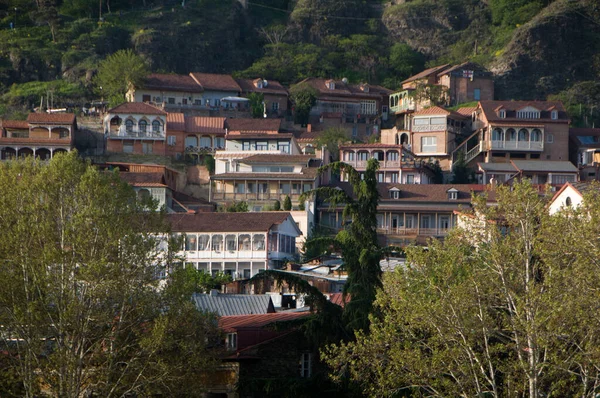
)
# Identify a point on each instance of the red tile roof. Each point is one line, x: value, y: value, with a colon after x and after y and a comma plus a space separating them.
x: 14, y: 124
x: 235, y: 322
x: 273, y: 87
x: 175, y: 122
x: 205, y: 124
x: 426, y: 73
x: 245, y: 125
x: 438, y: 110
x: 51, y: 118
x: 466, y: 111
x: 143, y: 179
x: 492, y: 108
x: 159, y: 81
x: 339, y: 299
x: 138, y: 108
x: 227, y: 222
x: 345, y: 89
x: 212, y: 81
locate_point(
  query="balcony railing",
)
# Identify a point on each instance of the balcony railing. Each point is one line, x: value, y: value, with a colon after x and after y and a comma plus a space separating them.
x: 423, y: 128
x: 518, y: 145
x: 386, y: 164
x: 254, y: 196
x: 201, y: 150
x: 414, y: 231
x: 137, y: 133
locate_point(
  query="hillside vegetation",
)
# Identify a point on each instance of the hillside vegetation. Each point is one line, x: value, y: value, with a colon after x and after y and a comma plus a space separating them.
x: 536, y: 47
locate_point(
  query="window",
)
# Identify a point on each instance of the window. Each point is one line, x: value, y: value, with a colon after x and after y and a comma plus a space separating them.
x: 275, y: 106
x: 244, y: 242
x: 497, y: 134
x: 562, y: 179
x: 523, y: 135
x: 511, y: 135
x: 393, y: 155
x: 143, y: 125
x: 258, y: 242
x: 191, y: 141
x: 502, y: 114
x: 191, y: 243
x: 127, y: 146
x: 147, y: 147
x: 283, y: 147
x: 421, y: 121
x: 231, y: 341
x: 156, y: 126
x: 63, y: 134
x: 554, y: 114
x: 438, y: 120
x: 184, y: 101
x: 410, y: 179
x: 393, y: 177
x: 306, y: 187
x: 239, y: 187
x: 171, y: 140
x: 428, y: 144
x: 115, y: 121
x: 331, y: 85
x: 452, y: 194
x: 536, y: 135
x: 380, y: 177
x: 363, y: 156
x: 203, y: 242
x: 528, y: 114
x: 395, y: 194
x: 217, y: 102
x: 219, y: 142
x: 349, y: 156
x: 284, y: 188
x: 296, y: 188
x: 477, y: 94
x: 217, y: 243
x: 568, y: 201
x: 129, y: 125
x: 231, y: 242
x: 246, y: 146
x: 145, y: 98
x: 171, y: 100
x: 250, y: 187
x: 205, y: 142
x: 549, y: 138
x: 444, y: 222
x: 262, y: 146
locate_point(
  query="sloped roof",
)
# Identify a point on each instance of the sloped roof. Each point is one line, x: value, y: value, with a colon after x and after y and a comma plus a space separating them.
x: 469, y: 65
x: 233, y: 323
x: 247, y: 125
x: 438, y: 110
x: 160, y: 81
x: 227, y: 222
x: 138, y: 179
x: 14, y: 124
x: 51, y: 118
x: 273, y: 87
x: 344, y: 89
x: 175, y: 122
x: 234, y: 304
x: 139, y: 108
x: 205, y: 124
x: 491, y: 108
x: 426, y: 73
x: 550, y: 166
x: 217, y: 82
x: 272, y: 158
x: 466, y: 111
x: 589, y: 137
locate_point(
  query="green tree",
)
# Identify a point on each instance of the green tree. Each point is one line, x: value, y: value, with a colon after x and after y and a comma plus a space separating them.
x: 257, y: 105
x: 237, y: 207
x: 118, y: 73
x: 81, y: 265
x: 332, y: 138
x: 189, y: 280
x: 500, y: 308
x: 405, y: 61
x: 304, y: 97
x: 277, y: 205
x: 287, y: 203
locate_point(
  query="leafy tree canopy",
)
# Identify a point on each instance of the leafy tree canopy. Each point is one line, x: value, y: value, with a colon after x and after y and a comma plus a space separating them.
x: 119, y: 72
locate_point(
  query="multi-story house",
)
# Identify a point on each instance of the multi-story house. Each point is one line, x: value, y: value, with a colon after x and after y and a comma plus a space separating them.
x: 553, y: 172
x: 466, y: 82
x: 358, y: 108
x: 570, y: 196
x: 42, y: 135
x: 238, y: 244
x: 396, y: 163
x: 517, y: 130
x: 136, y: 128
x: 194, y: 136
x: 409, y: 213
x: 584, y: 151
x: 274, y: 94
x: 171, y: 92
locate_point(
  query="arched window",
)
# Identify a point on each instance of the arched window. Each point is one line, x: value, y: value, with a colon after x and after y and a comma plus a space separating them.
x: 404, y: 139
x: 203, y: 242
x: 191, y: 141
x: 244, y: 242
x: 231, y: 242
x: 568, y: 201
x: 258, y: 242
x: 536, y: 135
x: 217, y: 243
x: 497, y: 134
x: 156, y: 126
x: 143, y: 194
x: 191, y: 242
x: 523, y: 135
x: 116, y: 121
x: 205, y: 142
x: 129, y: 125
x: 143, y: 126
x: 511, y: 135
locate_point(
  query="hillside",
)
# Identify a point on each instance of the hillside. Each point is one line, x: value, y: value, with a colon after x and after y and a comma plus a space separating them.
x: 536, y: 47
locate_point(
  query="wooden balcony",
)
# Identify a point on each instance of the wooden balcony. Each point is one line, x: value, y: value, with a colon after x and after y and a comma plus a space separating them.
x: 229, y: 196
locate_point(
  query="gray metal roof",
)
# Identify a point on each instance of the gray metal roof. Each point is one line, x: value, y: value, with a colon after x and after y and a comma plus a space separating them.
x: 234, y: 304
x: 550, y: 166
x: 507, y: 167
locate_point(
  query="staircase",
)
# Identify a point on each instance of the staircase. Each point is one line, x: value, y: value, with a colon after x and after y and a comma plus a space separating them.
x: 470, y: 148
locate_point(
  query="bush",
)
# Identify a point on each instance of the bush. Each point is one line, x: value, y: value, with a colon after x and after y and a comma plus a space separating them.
x: 277, y: 205
x: 287, y: 203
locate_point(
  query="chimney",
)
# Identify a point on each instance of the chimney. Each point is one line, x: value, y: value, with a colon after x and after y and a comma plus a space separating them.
x: 214, y: 292
x: 309, y: 128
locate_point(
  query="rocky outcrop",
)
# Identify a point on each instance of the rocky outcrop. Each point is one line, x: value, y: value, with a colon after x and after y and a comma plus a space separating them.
x: 550, y: 53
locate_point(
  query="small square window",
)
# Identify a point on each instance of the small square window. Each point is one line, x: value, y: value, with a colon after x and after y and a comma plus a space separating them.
x: 231, y: 341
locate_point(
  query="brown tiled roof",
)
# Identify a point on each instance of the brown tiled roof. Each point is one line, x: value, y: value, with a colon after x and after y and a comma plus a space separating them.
x: 159, y: 81
x: 339, y: 299
x: 344, y: 89
x: 273, y: 87
x: 143, y: 179
x: 213, y: 81
x: 307, y: 136
x: 226, y: 222
x: 138, y: 108
x: 246, y: 125
x: 307, y: 174
x: 175, y: 122
x: 51, y: 118
x: 426, y: 73
x: 438, y: 110
x: 491, y: 108
x: 270, y: 158
x: 466, y: 111
x: 14, y: 124
x: 256, y: 321
x: 205, y: 124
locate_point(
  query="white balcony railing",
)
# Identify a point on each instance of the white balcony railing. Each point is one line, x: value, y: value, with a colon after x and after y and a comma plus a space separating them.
x: 518, y: 145
x: 135, y: 132
x: 423, y: 128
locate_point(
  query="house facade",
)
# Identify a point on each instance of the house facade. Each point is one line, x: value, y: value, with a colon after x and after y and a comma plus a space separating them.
x: 135, y: 128
x: 42, y: 135
x: 555, y: 173
x: 174, y: 93
x: 194, y: 136
x: 570, y: 196
x: 584, y: 151
x: 396, y: 163
x: 517, y: 130
x: 274, y: 94
x: 238, y: 244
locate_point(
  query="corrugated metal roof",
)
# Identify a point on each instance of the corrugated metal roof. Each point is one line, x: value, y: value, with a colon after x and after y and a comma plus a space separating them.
x: 550, y: 166
x: 232, y: 323
x: 234, y: 304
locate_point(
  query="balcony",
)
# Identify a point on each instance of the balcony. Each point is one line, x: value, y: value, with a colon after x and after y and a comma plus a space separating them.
x: 386, y: 164
x: 401, y: 102
x: 201, y: 150
x: 425, y: 128
x: 414, y: 231
x: 254, y: 196
x: 537, y: 146
x: 136, y: 133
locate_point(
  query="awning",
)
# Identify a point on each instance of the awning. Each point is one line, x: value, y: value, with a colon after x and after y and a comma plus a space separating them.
x: 234, y: 99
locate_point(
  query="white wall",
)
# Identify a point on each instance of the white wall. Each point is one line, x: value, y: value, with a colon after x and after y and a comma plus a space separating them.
x: 560, y: 201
